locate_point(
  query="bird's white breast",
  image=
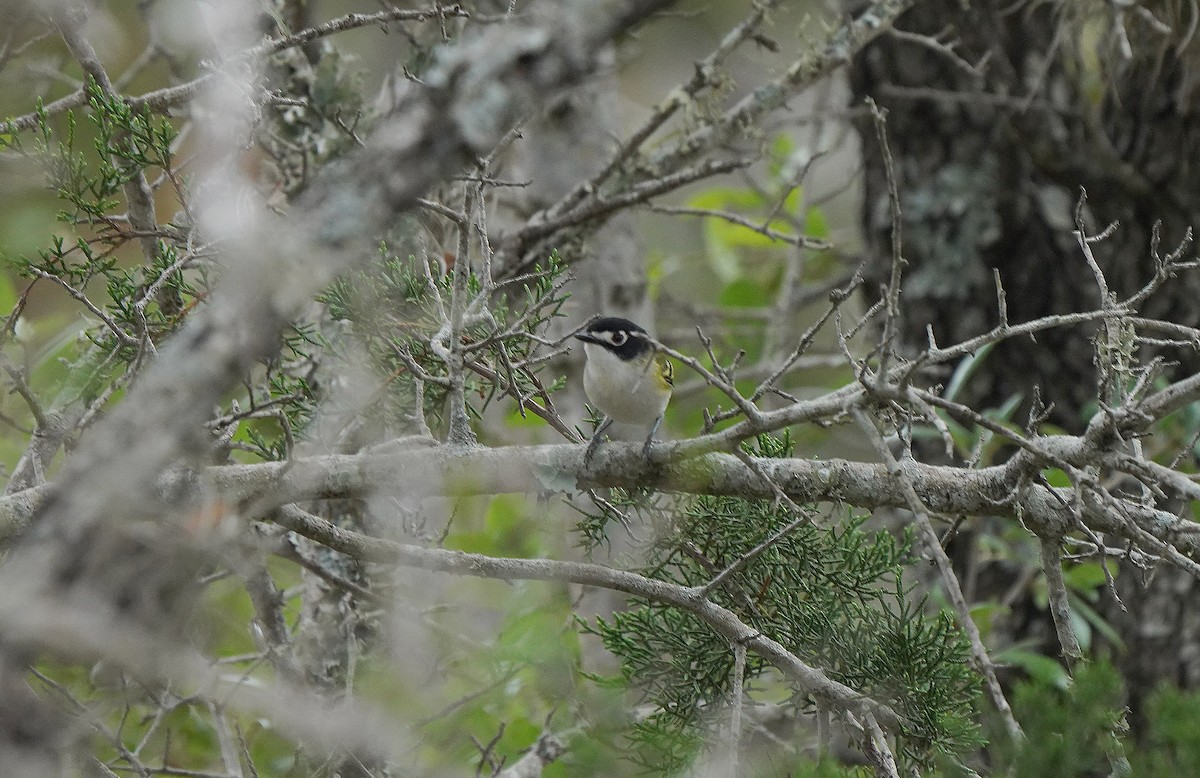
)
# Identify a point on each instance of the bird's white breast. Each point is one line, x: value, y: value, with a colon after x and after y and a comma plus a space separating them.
x: 628, y: 392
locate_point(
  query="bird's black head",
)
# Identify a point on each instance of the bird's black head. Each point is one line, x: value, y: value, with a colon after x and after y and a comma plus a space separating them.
x: 620, y: 336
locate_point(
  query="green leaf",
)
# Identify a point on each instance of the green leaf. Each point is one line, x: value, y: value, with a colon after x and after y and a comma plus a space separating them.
x: 782, y: 147
x: 985, y: 613
x: 967, y: 367
x: 727, y: 199
x: 743, y: 293
x: 1056, y: 477
x: 1097, y: 622
x: 8, y: 295
x: 723, y: 238
x: 815, y: 224
x: 1043, y: 669
x: 1086, y: 577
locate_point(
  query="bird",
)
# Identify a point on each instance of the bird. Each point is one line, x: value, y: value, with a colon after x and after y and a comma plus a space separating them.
x: 625, y: 376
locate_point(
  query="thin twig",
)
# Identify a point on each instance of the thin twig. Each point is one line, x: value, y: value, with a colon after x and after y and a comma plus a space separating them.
x: 1060, y: 605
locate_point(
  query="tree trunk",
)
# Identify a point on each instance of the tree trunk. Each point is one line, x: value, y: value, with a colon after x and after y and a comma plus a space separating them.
x: 991, y: 145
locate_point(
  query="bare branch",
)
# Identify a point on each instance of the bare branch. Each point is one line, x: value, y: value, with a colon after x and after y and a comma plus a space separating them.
x: 169, y: 97
x: 808, y: 680
x: 1060, y: 607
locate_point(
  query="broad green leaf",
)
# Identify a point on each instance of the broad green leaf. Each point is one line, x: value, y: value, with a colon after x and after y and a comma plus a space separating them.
x: 1039, y: 667
x: 1086, y: 577
x: 966, y: 368
x: 985, y: 613
x: 743, y: 293
x: 1095, y: 620
x: 1056, y: 477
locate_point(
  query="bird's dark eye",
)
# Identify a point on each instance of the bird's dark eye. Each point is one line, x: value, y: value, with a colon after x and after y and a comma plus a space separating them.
x: 619, y: 338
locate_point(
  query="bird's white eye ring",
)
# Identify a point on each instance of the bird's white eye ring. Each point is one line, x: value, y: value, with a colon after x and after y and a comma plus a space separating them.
x: 619, y: 338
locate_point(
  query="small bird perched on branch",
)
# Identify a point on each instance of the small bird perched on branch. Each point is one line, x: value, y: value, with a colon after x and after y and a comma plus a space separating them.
x: 625, y: 377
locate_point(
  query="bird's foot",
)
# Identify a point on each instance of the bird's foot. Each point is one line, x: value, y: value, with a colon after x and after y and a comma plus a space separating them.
x: 595, y: 442
x: 591, y: 450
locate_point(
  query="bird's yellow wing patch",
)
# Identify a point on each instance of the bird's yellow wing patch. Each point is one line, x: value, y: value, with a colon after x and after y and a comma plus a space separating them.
x: 666, y: 372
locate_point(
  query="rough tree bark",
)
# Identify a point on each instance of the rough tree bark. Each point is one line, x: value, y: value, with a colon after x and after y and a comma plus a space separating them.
x: 992, y: 138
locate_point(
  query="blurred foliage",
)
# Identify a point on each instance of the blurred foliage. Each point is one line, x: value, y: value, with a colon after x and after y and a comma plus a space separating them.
x: 124, y: 145
x: 1076, y: 730
x: 510, y: 661
x: 131, y: 307
x: 1080, y: 730
x: 779, y: 206
x: 396, y: 313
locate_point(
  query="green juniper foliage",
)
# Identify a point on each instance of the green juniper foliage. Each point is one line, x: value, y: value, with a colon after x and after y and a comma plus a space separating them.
x: 131, y: 283
x: 395, y: 310
x: 133, y: 301
x: 1081, y: 730
x: 126, y: 143
x: 397, y: 313
x: 834, y: 597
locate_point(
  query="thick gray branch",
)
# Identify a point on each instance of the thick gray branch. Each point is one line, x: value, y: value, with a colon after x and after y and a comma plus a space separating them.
x: 445, y: 471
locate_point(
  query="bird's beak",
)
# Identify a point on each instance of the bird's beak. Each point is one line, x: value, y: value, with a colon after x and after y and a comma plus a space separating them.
x: 586, y: 337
